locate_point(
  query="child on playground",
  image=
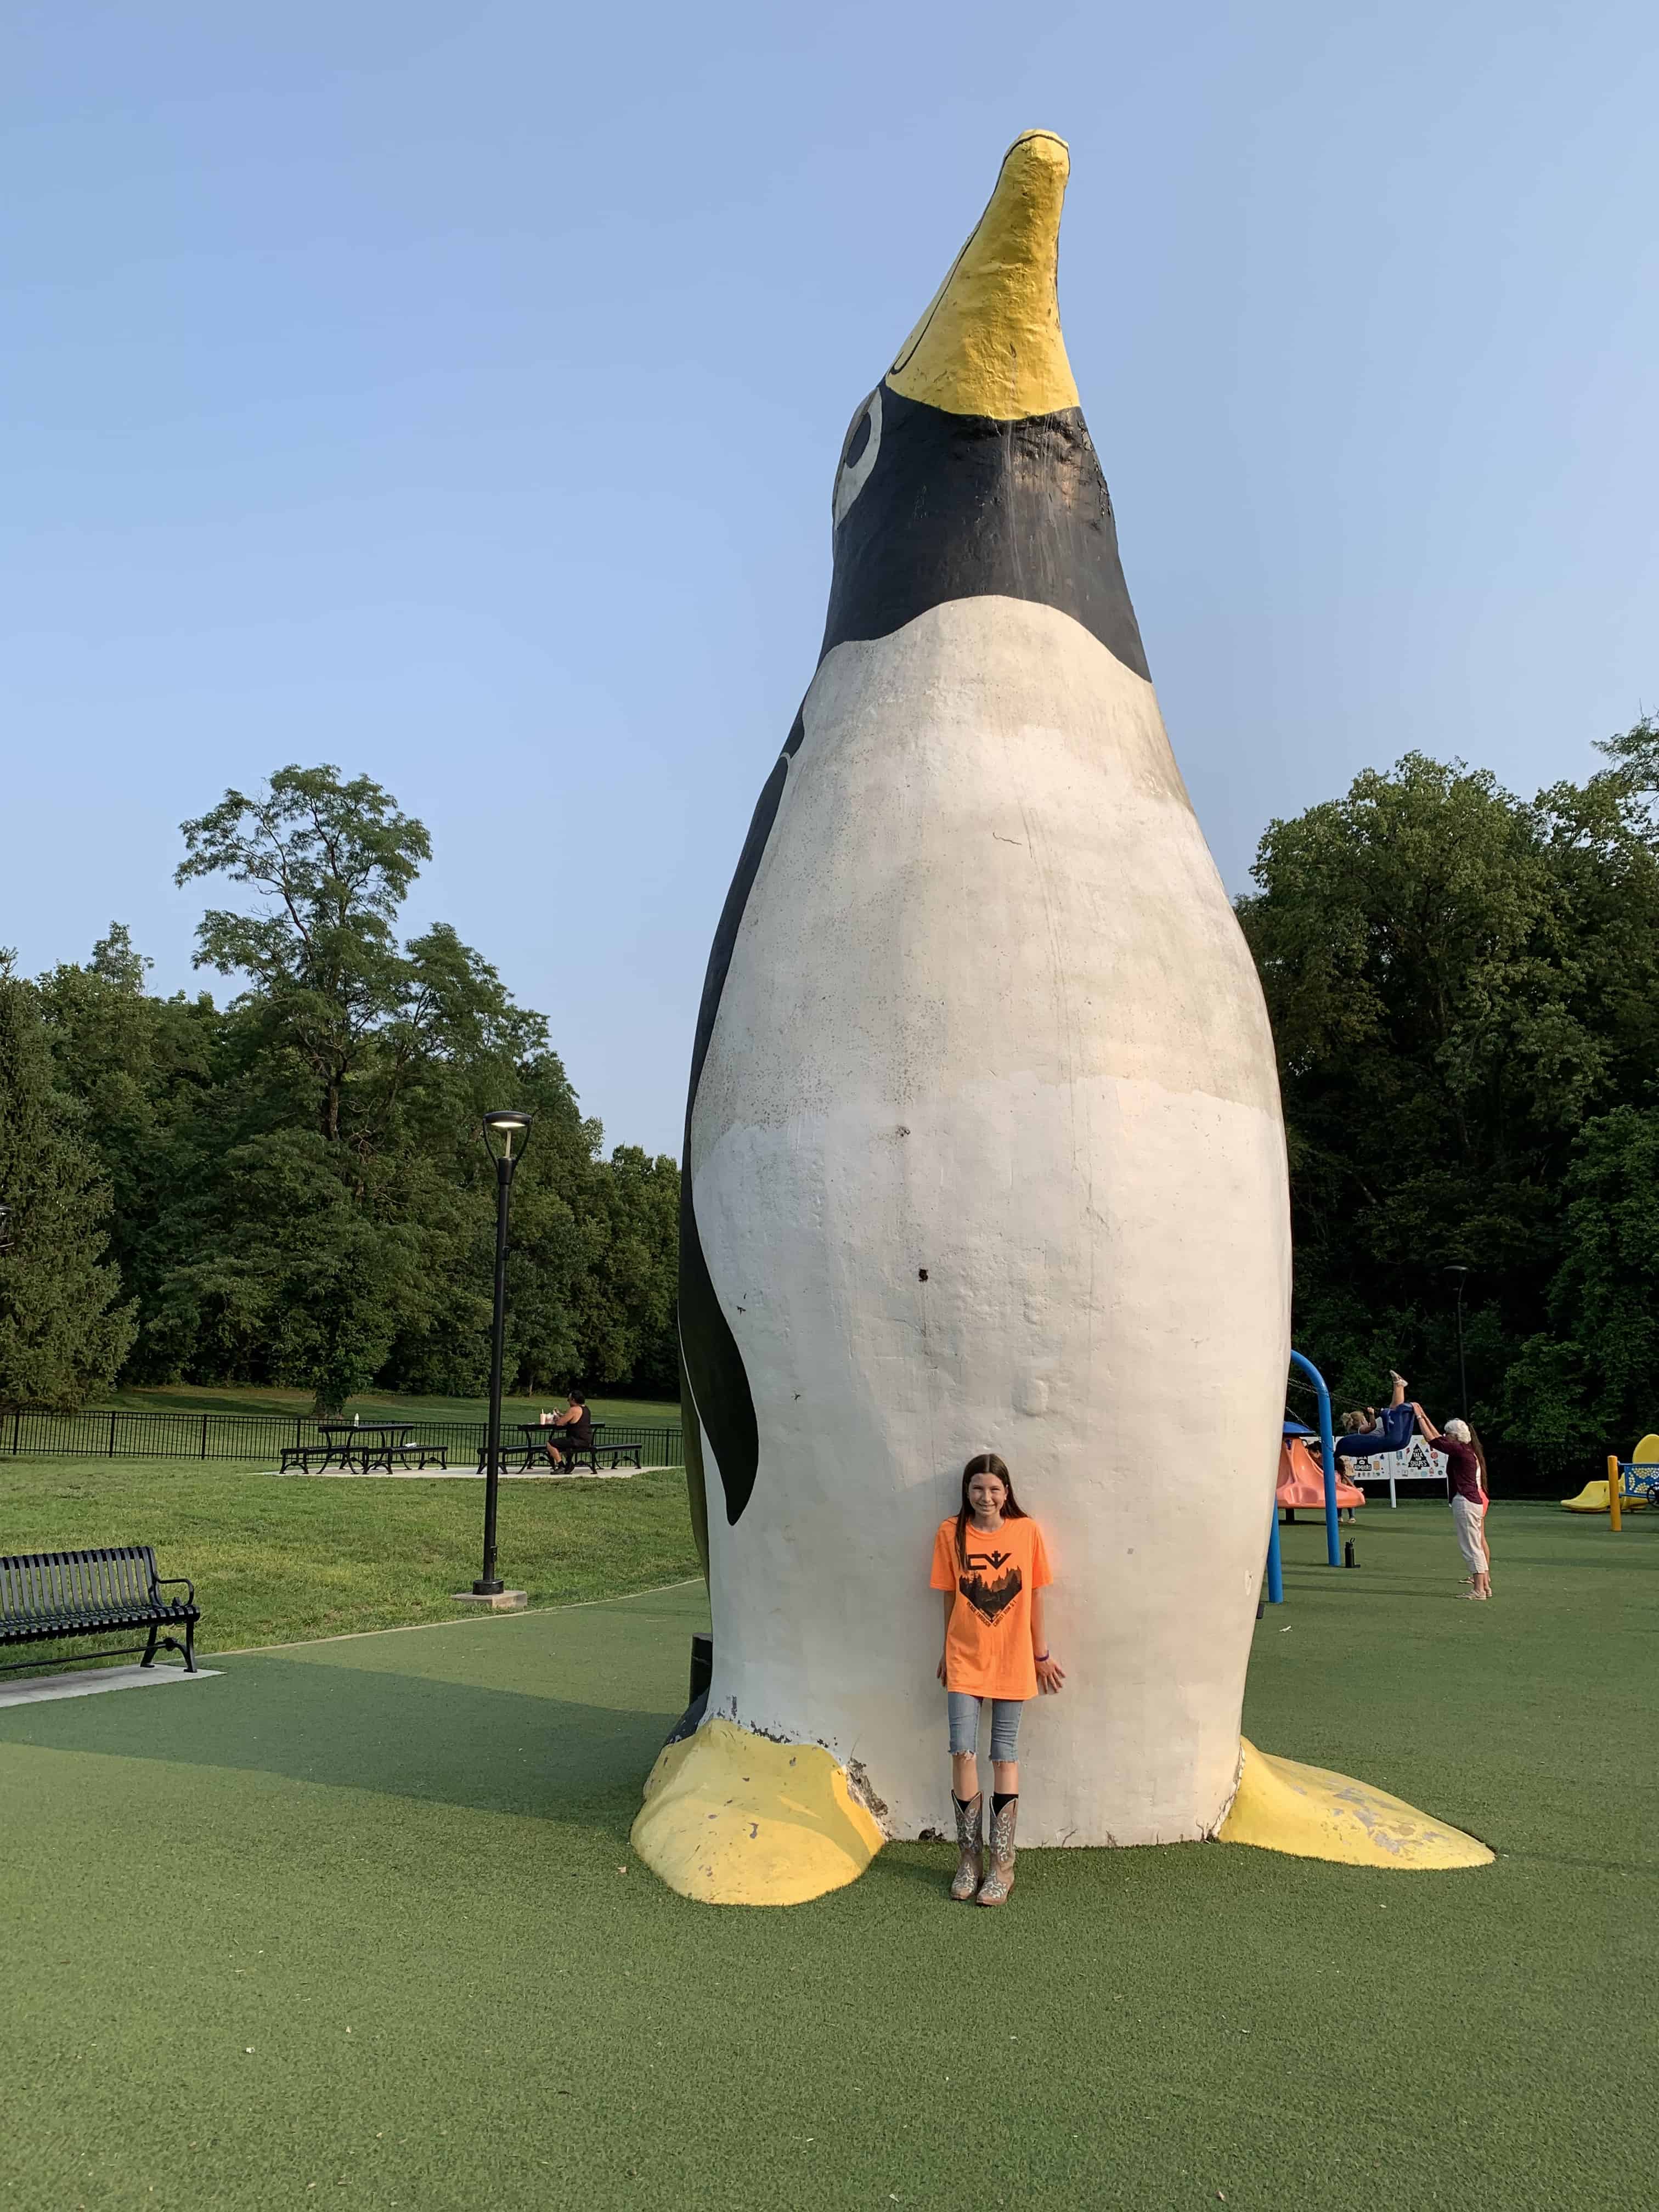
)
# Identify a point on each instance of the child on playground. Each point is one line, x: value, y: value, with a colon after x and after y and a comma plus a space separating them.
x: 991, y: 1564
x: 1392, y: 1433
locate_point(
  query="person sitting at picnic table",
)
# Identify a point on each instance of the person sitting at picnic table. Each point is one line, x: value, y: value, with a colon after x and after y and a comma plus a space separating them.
x: 578, y: 1425
x: 1393, y: 1432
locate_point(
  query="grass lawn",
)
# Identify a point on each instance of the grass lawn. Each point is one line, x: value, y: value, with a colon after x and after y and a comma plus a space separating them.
x: 373, y: 1405
x: 276, y: 1559
x: 359, y: 1925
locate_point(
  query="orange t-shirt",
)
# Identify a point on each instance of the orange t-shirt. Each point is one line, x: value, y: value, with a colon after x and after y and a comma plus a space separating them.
x: 987, y: 1642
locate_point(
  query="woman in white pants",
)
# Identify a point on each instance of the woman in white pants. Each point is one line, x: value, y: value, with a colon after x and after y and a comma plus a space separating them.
x: 1469, y: 1502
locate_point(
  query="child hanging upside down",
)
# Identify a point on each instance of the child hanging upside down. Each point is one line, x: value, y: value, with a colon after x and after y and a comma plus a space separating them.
x: 1393, y: 1431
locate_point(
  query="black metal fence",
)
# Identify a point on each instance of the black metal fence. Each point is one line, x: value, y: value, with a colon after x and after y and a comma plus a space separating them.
x: 32, y: 1433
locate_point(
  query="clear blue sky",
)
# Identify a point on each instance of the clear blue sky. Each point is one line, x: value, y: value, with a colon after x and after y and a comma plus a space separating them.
x: 454, y: 392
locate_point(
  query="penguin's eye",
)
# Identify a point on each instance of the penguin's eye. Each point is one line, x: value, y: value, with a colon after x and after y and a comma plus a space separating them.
x: 858, y: 455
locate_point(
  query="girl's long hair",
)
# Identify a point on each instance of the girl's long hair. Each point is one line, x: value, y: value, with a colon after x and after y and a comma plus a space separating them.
x: 985, y: 1463
x: 1479, y: 1450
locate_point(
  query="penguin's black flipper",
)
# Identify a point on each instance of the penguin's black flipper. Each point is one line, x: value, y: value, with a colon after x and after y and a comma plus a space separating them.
x: 721, y: 1397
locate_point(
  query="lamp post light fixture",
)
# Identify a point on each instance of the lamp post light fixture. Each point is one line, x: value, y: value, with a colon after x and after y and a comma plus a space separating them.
x: 501, y: 1131
x: 1458, y: 1276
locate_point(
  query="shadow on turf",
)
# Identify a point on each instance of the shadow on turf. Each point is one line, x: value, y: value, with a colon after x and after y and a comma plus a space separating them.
x: 496, y: 1751
x: 404, y: 1735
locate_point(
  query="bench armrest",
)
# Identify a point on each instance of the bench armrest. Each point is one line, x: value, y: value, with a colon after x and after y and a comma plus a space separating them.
x: 164, y: 1582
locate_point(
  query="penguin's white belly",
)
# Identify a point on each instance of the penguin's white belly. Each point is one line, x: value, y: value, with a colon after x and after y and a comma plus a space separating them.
x: 986, y: 1155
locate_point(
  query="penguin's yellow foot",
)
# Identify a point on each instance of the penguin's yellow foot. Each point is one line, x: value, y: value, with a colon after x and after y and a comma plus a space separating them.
x: 1282, y: 1805
x: 731, y: 1818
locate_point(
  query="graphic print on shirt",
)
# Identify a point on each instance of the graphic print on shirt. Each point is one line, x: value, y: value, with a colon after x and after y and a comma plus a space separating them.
x: 988, y: 1599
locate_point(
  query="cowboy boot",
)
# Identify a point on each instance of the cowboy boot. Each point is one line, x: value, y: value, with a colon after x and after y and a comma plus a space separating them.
x: 971, y: 1864
x: 999, y: 1882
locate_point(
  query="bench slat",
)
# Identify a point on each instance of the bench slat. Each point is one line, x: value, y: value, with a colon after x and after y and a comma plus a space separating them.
x: 50, y: 1595
x: 52, y: 1587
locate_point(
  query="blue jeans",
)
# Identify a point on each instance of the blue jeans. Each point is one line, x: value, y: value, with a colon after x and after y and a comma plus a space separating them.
x: 964, y: 1725
x: 1393, y: 1433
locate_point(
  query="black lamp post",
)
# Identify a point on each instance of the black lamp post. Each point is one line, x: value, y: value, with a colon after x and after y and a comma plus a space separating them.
x: 501, y: 1130
x: 1458, y: 1276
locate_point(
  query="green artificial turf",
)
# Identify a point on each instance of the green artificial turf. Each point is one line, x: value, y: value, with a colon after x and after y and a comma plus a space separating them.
x: 275, y: 1558
x: 360, y: 1925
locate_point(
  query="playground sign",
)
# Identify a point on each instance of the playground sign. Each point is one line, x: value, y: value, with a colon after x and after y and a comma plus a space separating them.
x: 1417, y: 1463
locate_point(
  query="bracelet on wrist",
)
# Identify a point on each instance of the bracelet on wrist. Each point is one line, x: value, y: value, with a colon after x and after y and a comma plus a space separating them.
x: 1040, y: 1658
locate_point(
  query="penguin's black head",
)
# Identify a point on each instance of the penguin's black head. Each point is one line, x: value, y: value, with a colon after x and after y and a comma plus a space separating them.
x: 968, y: 471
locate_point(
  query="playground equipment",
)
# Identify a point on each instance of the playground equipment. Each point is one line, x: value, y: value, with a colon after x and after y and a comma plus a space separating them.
x: 1629, y: 1485
x: 1326, y: 1453
x: 1323, y: 1487
x: 1301, y: 1482
x: 1275, y: 1584
x: 1302, y: 1479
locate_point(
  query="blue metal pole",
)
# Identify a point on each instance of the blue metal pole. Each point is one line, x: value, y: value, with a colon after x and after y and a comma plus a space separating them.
x: 1328, y: 1450
x: 1275, y: 1572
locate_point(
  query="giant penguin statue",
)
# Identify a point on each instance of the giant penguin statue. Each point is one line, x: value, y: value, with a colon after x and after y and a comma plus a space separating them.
x: 984, y: 1151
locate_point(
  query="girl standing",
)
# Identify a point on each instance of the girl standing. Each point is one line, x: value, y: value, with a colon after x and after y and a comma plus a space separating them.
x: 991, y: 1564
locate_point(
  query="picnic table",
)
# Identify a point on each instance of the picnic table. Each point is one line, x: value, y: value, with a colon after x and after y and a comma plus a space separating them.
x: 537, y: 1435
x: 363, y: 1444
x: 360, y: 1446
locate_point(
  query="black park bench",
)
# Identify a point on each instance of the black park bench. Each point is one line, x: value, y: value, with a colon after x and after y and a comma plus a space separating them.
x: 46, y: 1596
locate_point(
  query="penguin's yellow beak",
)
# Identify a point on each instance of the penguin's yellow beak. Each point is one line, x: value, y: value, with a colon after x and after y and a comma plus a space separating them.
x: 990, y: 341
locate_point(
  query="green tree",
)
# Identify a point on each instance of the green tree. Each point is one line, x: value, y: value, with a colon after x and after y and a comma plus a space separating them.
x: 141, y: 1068
x: 344, y: 1232
x: 331, y: 863
x: 626, y: 1300
x: 303, y: 1276
x: 1590, y: 1384
x: 302, y: 1191
x: 63, y: 1331
x: 1460, y: 982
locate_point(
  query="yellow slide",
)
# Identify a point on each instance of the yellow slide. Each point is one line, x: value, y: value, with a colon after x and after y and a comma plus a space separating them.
x: 1593, y: 1498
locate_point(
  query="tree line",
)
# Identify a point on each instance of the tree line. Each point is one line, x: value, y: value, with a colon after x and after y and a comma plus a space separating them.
x: 1464, y: 990
x: 292, y: 1188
